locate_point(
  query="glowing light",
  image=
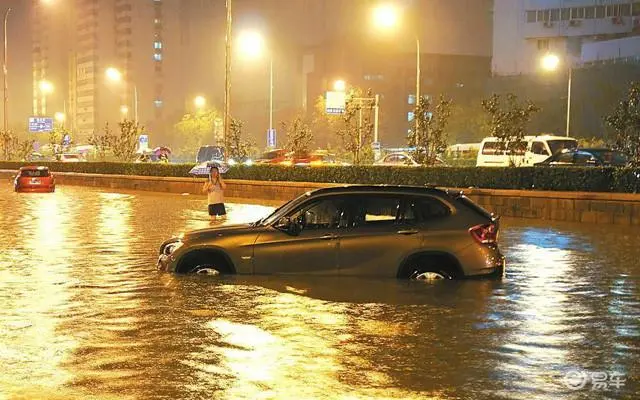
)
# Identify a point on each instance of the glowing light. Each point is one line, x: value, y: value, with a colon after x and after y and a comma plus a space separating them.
x: 45, y: 86
x: 251, y: 44
x: 200, y: 101
x: 550, y: 62
x: 386, y: 16
x: 124, y: 110
x: 113, y: 74
x: 60, y: 117
x: 340, y: 85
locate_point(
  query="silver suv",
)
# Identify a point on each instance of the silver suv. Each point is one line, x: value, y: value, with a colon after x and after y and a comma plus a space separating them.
x: 383, y: 231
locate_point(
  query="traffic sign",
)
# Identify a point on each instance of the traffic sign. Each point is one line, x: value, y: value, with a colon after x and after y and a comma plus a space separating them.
x: 271, y: 138
x: 335, y: 102
x: 40, y: 124
x: 143, y: 142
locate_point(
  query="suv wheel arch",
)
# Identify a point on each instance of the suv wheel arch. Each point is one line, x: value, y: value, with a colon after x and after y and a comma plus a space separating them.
x: 431, y: 261
x: 206, y: 256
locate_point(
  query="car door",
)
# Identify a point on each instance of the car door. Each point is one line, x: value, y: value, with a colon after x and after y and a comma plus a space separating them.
x: 312, y: 250
x: 374, y: 240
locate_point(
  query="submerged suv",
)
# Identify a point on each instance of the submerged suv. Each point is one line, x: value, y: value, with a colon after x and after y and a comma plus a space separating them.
x: 382, y: 231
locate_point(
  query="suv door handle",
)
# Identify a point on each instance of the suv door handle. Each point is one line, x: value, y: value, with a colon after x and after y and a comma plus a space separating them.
x: 407, y: 232
x: 328, y: 237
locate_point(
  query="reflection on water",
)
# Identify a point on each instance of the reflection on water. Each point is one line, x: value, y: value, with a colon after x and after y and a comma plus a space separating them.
x: 85, y: 314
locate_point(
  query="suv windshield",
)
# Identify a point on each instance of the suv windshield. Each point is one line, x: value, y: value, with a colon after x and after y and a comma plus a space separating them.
x: 559, y: 145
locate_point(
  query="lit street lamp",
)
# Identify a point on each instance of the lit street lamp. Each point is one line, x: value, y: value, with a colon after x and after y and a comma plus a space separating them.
x: 124, y: 110
x: 4, y: 72
x: 252, y: 46
x: 200, y: 102
x: 114, y: 75
x: 60, y: 117
x: 387, y: 17
x: 339, y: 85
x: 551, y: 62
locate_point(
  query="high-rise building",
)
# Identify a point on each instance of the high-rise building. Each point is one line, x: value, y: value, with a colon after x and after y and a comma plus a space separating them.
x: 75, y: 43
x: 578, y: 31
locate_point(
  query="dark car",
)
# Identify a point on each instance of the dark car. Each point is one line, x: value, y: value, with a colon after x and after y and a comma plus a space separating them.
x: 380, y: 231
x: 585, y: 158
x: 34, y: 179
x: 210, y: 153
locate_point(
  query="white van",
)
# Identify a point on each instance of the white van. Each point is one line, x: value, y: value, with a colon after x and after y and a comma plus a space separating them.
x: 493, y: 152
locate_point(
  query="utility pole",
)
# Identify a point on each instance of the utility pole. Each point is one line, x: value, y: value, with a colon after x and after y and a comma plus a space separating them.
x: 227, y: 75
x: 5, y: 72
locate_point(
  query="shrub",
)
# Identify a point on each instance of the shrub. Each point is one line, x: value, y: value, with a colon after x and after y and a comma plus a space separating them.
x: 587, y: 179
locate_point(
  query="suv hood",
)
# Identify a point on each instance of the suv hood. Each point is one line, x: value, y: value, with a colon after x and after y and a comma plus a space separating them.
x: 218, y: 231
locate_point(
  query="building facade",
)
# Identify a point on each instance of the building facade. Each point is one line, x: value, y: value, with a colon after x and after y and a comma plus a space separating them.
x: 76, y: 41
x: 526, y: 30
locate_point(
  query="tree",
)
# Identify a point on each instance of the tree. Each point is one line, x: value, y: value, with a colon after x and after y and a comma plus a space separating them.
x: 325, y: 126
x: 625, y: 121
x: 509, y: 122
x: 431, y: 137
x: 356, y: 128
x: 468, y: 123
x: 56, y: 138
x: 124, y: 145
x: 235, y: 146
x: 12, y: 147
x: 299, y: 136
x: 102, y: 143
x: 196, y: 129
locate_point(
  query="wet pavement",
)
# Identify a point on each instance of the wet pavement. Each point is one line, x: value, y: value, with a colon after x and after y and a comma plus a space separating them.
x: 84, y: 314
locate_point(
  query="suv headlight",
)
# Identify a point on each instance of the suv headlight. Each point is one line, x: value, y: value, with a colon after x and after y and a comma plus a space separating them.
x: 172, y: 247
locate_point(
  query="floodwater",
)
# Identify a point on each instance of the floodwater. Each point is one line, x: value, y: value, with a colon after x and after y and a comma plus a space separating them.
x: 85, y: 314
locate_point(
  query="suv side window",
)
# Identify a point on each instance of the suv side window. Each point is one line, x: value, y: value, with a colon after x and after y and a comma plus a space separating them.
x: 374, y: 210
x: 424, y: 209
x: 322, y: 214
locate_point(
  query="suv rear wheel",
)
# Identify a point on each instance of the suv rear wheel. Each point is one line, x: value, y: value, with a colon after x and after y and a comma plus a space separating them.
x: 430, y: 268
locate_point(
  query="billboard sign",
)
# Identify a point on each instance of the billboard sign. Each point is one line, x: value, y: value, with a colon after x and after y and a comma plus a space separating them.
x: 40, y: 124
x: 335, y: 102
x: 271, y: 138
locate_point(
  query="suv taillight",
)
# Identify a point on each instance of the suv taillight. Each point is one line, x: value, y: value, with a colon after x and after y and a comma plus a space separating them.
x: 486, y: 234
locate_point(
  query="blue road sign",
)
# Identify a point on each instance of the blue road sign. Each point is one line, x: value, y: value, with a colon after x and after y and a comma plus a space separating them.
x: 40, y: 124
x: 271, y: 138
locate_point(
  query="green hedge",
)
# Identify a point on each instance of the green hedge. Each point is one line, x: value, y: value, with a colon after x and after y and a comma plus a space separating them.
x: 568, y: 179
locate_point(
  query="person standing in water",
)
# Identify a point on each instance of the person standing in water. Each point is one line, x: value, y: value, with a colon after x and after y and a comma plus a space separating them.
x: 214, y: 188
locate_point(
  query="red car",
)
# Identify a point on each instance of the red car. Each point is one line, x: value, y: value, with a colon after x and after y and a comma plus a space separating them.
x: 34, y: 179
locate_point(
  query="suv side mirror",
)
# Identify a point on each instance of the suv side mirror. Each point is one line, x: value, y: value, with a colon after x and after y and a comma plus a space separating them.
x: 288, y: 226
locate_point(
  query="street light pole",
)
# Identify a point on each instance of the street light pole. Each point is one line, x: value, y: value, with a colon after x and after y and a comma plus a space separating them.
x: 227, y: 73
x: 4, y: 71
x: 135, y: 103
x: 418, y: 76
x: 271, y: 94
x: 569, y: 100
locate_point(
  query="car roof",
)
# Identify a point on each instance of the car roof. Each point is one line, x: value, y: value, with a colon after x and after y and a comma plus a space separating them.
x: 399, y: 189
x: 33, y: 167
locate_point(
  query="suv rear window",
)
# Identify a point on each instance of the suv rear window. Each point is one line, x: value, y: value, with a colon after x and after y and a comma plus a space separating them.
x: 33, y: 173
x: 464, y: 200
x: 423, y: 209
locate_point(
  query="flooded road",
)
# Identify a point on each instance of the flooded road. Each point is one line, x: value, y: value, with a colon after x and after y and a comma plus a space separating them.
x: 84, y: 314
